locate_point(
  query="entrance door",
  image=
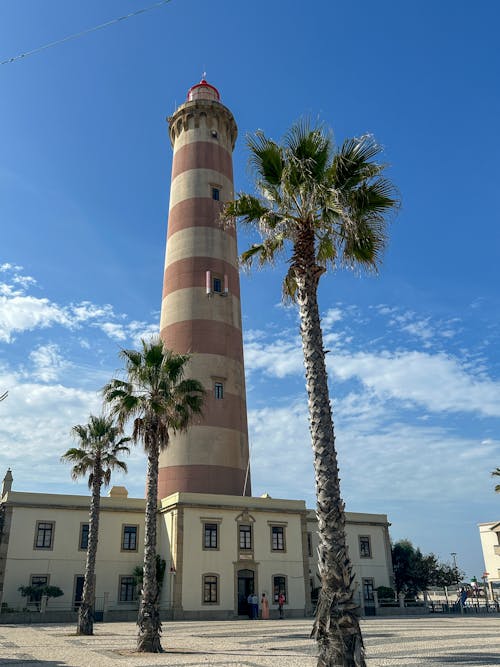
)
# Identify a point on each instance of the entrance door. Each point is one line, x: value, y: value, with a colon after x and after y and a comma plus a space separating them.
x: 78, y: 592
x: 245, y: 588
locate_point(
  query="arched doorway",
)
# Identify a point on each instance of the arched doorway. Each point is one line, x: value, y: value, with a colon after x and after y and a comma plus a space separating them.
x: 246, y: 586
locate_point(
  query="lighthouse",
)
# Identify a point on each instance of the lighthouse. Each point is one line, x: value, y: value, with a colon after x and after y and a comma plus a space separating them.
x: 201, y: 310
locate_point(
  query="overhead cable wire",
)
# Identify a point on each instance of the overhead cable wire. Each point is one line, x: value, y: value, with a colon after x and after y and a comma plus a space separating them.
x: 85, y: 32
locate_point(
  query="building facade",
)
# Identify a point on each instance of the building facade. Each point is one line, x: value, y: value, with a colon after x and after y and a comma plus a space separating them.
x: 489, y: 534
x: 218, y: 549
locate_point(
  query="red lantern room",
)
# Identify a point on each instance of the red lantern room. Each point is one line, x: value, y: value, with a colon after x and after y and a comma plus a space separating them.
x: 203, y: 91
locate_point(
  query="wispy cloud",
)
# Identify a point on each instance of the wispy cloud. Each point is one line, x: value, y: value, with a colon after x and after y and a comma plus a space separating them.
x: 48, y: 363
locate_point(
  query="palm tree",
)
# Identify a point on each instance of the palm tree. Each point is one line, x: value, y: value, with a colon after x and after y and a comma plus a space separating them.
x: 328, y: 208
x: 496, y: 473
x: 97, y: 457
x: 160, y: 402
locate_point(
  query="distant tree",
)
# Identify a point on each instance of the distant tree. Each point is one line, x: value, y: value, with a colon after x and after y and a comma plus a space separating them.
x: 385, y: 593
x: 97, y: 456
x: 496, y: 473
x: 36, y: 592
x: 159, y: 401
x: 415, y: 572
x: 447, y: 575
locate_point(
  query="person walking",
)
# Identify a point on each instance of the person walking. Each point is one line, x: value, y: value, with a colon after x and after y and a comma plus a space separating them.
x: 281, y: 602
x: 264, y: 606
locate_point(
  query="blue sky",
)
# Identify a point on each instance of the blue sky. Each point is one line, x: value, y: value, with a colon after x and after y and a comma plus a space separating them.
x: 84, y: 182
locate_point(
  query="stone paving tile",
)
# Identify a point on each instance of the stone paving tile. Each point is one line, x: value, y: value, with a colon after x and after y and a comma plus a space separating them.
x: 430, y: 641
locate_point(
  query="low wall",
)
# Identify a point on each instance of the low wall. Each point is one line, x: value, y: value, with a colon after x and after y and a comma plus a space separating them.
x: 33, y: 617
x: 402, y: 611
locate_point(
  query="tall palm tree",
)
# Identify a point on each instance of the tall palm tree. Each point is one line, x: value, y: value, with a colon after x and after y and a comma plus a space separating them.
x: 96, y: 456
x: 496, y: 473
x: 327, y: 207
x: 160, y: 402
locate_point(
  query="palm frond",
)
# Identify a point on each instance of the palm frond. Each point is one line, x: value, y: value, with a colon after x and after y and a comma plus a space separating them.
x: 264, y: 252
x: 289, y: 286
x: 265, y: 158
x: 247, y: 208
x: 308, y: 151
x: 353, y: 163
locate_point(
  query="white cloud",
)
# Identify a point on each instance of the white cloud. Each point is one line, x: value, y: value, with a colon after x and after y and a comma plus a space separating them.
x: 279, y: 358
x: 139, y: 331
x: 331, y: 316
x: 86, y: 310
x: 7, y: 266
x: 439, y: 382
x: 48, y: 362
x: 381, y: 458
x: 25, y: 313
x: 113, y: 330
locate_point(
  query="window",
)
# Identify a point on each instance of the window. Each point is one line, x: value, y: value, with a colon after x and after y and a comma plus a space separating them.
x: 210, y: 589
x: 38, y: 580
x: 368, y: 590
x: 84, y: 536
x: 216, y: 194
x: 44, y: 534
x: 127, y: 589
x: 210, y: 540
x: 277, y: 538
x: 365, y: 548
x: 309, y: 545
x: 279, y: 586
x: 217, y: 285
x: 219, y: 390
x: 129, y: 538
x: 245, y: 537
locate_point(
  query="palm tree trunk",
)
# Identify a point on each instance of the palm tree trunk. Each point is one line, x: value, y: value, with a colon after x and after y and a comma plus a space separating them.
x: 86, y: 612
x: 336, y: 627
x: 148, y: 639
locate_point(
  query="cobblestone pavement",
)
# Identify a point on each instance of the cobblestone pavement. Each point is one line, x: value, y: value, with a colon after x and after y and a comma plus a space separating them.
x: 432, y: 641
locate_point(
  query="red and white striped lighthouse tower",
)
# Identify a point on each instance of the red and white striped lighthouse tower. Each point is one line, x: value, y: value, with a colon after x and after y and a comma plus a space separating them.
x: 201, y: 312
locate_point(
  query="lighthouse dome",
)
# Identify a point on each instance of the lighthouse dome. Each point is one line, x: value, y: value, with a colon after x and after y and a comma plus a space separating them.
x: 203, y: 91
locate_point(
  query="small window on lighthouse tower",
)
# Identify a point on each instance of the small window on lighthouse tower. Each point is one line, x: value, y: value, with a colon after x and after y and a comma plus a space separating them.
x: 217, y: 286
x: 218, y: 390
x: 216, y: 194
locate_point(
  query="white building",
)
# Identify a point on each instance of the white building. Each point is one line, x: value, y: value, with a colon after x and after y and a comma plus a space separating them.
x: 490, y: 544
x: 217, y: 549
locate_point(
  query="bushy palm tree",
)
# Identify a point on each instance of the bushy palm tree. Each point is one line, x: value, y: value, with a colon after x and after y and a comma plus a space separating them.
x: 496, y: 473
x: 327, y: 208
x: 160, y: 402
x: 97, y: 456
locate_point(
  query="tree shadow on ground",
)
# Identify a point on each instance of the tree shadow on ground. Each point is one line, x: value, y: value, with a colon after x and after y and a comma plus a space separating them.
x: 28, y: 661
x: 476, y: 659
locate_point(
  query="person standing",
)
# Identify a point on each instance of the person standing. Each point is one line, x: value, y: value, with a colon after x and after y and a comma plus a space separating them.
x: 250, y: 606
x: 281, y: 602
x: 264, y: 606
x: 255, y: 607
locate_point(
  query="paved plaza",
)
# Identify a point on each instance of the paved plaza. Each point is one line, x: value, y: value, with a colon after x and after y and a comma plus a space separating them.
x: 433, y: 641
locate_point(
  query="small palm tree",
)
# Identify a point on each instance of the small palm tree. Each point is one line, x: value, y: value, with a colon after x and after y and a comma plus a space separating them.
x: 160, y: 402
x: 496, y: 473
x: 97, y: 456
x: 327, y: 208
